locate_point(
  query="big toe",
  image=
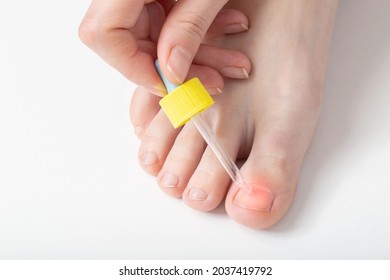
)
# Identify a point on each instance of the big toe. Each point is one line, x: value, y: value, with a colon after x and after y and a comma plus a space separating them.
x: 273, y: 183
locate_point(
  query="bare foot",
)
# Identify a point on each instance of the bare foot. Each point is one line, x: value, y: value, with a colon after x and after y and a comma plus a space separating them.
x: 268, y: 120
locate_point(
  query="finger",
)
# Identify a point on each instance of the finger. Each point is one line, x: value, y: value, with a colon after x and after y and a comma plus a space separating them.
x: 106, y: 30
x: 209, y: 77
x: 167, y: 5
x: 229, y: 63
x: 228, y: 21
x: 143, y: 108
x: 156, y: 19
x: 182, y: 33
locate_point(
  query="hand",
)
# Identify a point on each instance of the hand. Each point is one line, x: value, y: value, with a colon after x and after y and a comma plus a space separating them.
x: 125, y: 34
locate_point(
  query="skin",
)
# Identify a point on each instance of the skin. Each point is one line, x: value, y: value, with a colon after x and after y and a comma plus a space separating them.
x: 125, y: 34
x: 268, y: 120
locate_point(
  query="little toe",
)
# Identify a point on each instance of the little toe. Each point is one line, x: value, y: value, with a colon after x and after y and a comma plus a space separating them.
x: 143, y: 108
x: 156, y: 143
x: 182, y: 161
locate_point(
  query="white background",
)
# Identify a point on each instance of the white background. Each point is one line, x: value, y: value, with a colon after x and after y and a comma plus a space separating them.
x: 71, y: 187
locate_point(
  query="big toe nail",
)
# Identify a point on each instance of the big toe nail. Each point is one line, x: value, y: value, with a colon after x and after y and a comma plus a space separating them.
x: 258, y: 199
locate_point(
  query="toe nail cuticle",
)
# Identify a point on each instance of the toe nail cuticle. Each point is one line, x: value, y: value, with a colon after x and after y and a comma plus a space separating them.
x: 197, y: 194
x: 169, y: 180
x: 149, y: 158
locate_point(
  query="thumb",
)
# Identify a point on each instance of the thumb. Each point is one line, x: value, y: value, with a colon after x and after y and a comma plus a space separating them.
x: 182, y: 34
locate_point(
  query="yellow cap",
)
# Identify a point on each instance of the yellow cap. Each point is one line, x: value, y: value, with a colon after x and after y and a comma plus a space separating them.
x: 186, y: 101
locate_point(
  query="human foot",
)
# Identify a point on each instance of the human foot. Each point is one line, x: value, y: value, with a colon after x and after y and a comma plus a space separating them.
x: 268, y: 119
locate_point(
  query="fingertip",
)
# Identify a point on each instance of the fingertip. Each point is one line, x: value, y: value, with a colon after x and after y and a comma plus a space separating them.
x: 228, y: 21
x: 210, y: 78
x: 183, y: 32
x: 215, y: 91
x: 235, y: 16
x: 143, y: 107
x: 179, y: 62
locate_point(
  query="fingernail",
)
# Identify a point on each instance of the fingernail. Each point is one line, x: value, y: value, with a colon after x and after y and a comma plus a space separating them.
x: 235, y: 28
x: 197, y: 194
x: 149, y: 158
x: 259, y: 199
x: 234, y: 72
x: 139, y: 131
x: 179, y: 63
x: 215, y: 91
x: 156, y: 91
x: 169, y: 180
x: 246, y: 75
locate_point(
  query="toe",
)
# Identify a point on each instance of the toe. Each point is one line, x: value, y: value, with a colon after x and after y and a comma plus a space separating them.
x: 282, y: 135
x: 273, y: 184
x: 182, y: 161
x: 272, y: 169
x: 156, y: 143
x: 208, y: 185
x: 143, y: 108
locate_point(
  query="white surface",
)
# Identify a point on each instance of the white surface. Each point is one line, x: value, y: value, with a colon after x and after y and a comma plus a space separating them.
x: 71, y: 187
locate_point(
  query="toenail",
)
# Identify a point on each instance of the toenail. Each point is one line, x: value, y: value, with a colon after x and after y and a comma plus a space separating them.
x: 138, y: 131
x: 149, y: 158
x: 169, y: 180
x: 197, y: 194
x: 259, y: 199
x: 235, y: 72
